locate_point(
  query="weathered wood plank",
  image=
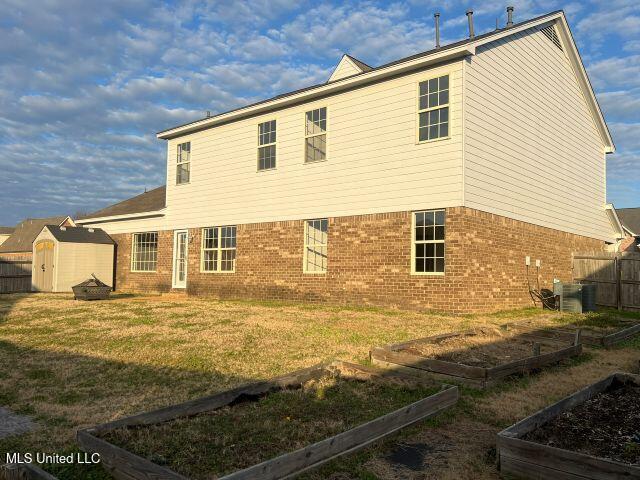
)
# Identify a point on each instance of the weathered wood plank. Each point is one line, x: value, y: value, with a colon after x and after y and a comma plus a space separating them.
x: 359, y: 437
x: 567, y: 461
x: 394, y: 367
x: 213, y: 402
x: 128, y: 466
x: 534, y: 362
x: 531, y: 460
x: 621, y: 335
x: 24, y: 471
x: 122, y: 464
x: 438, y: 366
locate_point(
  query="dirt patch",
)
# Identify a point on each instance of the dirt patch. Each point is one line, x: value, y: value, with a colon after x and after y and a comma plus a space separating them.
x: 486, y: 347
x: 605, y: 426
x: 236, y: 437
x: 13, y: 424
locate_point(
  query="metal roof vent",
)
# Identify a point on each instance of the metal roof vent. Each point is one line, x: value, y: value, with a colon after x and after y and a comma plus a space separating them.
x: 64, y: 229
x: 91, y: 230
x: 551, y: 34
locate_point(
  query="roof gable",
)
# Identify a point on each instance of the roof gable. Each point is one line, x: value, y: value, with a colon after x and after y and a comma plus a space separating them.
x: 21, y: 240
x: 348, y: 66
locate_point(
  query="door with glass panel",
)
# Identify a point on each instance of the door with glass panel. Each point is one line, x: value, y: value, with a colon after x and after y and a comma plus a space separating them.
x: 180, y: 250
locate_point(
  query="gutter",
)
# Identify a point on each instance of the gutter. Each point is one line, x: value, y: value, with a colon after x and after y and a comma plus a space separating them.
x: 127, y: 216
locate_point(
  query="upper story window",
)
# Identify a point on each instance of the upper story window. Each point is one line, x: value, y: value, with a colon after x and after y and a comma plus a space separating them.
x: 219, y: 249
x: 433, y: 109
x: 144, y: 252
x: 315, y: 245
x: 428, y: 242
x: 267, y: 145
x: 315, y: 135
x: 183, y: 163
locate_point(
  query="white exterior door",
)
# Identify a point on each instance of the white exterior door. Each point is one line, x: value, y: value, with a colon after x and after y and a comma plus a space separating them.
x: 180, y: 250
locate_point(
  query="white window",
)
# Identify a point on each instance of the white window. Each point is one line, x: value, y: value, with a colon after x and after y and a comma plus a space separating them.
x: 267, y: 145
x: 219, y: 249
x: 315, y: 245
x: 144, y: 252
x: 433, y: 109
x: 428, y: 242
x: 315, y: 140
x: 183, y: 165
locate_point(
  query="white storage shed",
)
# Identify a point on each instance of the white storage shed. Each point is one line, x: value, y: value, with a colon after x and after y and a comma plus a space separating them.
x: 65, y: 256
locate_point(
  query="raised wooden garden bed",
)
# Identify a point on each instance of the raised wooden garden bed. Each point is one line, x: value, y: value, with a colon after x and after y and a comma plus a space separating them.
x: 591, y: 335
x: 571, y: 438
x: 125, y: 464
x: 477, y: 358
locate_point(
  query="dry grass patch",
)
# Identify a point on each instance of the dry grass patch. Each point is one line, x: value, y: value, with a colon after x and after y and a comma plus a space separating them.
x: 71, y: 364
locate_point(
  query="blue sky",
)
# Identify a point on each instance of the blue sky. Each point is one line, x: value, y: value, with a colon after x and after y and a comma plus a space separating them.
x: 84, y: 86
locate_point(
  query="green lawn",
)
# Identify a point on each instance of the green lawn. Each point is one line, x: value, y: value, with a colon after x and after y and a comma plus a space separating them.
x: 71, y: 365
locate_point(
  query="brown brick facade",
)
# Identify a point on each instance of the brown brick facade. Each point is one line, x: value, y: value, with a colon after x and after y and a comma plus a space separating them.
x: 370, y: 263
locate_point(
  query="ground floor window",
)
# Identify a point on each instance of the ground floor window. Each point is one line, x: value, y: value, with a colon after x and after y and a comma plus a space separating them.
x: 219, y: 249
x: 428, y: 242
x: 144, y: 252
x: 315, y: 245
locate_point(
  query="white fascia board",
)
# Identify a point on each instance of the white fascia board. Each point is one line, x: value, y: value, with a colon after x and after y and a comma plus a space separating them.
x: 333, y: 87
x: 615, y: 220
x: 154, y: 213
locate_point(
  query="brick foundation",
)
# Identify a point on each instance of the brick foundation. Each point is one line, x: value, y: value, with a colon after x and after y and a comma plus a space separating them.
x: 370, y: 263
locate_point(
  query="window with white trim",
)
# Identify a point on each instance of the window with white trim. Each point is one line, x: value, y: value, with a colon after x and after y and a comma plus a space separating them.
x: 428, y: 242
x: 433, y: 109
x: 219, y: 249
x: 315, y: 141
x: 315, y: 245
x: 267, y: 145
x: 183, y: 163
x: 144, y: 252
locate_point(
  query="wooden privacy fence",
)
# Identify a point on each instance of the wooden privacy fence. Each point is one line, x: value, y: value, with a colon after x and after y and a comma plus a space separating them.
x: 15, y: 276
x: 616, y: 275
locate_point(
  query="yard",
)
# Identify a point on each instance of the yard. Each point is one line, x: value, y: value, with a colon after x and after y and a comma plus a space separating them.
x: 71, y: 364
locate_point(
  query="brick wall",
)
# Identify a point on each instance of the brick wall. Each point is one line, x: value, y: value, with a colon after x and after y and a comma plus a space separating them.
x: 370, y: 262
x: 158, y: 281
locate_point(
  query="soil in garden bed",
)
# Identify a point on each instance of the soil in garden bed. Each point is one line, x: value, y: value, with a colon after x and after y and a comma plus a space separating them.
x: 488, y: 347
x: 242, y: 435
x: 605, y: 426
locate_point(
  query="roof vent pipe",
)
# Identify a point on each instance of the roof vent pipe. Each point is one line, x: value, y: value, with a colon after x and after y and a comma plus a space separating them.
x: 470, y: 17
x: 436, y: 16
x: 509, y: 17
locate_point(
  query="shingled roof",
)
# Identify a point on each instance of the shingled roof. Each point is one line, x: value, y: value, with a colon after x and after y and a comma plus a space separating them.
x: 80, y: 235
x: 21, y: 240
x: 6, y: 230
x: 146, y: 202
x: 630, y: 218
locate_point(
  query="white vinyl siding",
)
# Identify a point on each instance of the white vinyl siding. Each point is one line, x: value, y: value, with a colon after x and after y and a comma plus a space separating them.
x: 144, y: 252
x: 374, y: 163
x: 532, y: 151
x: 345, y: 68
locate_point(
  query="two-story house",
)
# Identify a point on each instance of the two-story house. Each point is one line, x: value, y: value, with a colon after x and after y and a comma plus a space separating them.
x: 425, y: 182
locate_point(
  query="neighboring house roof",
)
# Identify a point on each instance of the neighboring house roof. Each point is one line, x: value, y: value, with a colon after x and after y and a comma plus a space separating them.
x: 21, y: 240
x: 79, y: 235
x: 630, y: 218
x: 454, y: 50
x: 150, y: 201
x: 6, y: 230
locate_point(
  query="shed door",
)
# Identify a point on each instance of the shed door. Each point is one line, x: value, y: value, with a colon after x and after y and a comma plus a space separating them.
x: 43, y: 266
